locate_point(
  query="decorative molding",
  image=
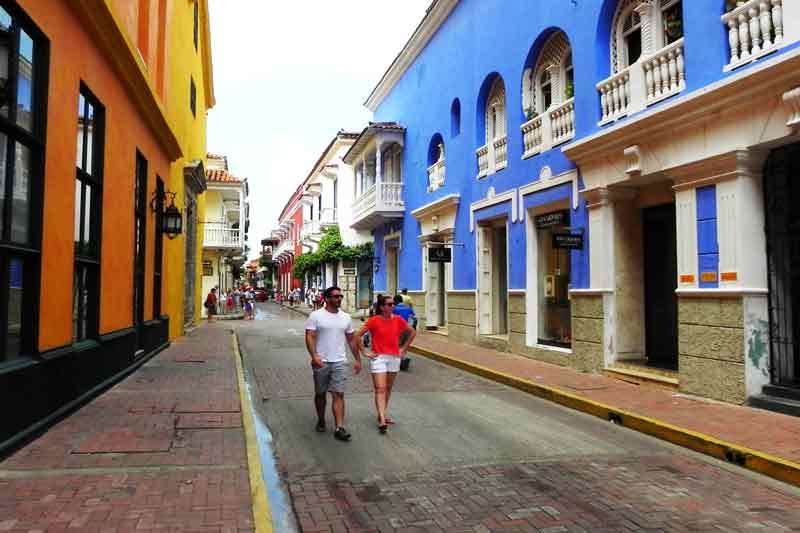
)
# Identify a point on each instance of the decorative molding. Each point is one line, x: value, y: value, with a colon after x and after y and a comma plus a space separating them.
x: 553, y: 181
x: 720, y: 293
x: 545, y: 173
x: 194, y: 174
x: 633, y: 160
x: 603, y: 196
x: 437, y: 206
x: 436, y: 15
x: 489, y: 201
x: 791, y: 100
x: 390, y: 237
x: 590, y: 292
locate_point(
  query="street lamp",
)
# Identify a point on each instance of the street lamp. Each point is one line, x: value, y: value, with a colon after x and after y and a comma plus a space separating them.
x: 171, y: 217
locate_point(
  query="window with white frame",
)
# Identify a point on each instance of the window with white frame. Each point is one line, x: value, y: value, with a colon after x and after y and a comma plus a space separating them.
x: 550, y: 81
x: 390, y: 164
x: 642, y: 27
x: 496, y: 111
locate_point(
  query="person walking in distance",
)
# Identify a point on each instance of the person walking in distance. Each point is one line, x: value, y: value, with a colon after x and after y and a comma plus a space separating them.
x: 211, y: 304
x: 328, y: 331
x: 406, y: 298
x: 385, y: 330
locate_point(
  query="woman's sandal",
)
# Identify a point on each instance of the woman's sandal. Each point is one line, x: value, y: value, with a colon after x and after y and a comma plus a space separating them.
x: 382, y: 429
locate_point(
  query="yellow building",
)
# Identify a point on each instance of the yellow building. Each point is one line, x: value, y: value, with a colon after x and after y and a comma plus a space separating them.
x: 189, y: 95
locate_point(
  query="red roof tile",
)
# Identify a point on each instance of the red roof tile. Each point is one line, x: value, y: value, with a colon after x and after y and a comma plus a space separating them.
x: 213, y: 174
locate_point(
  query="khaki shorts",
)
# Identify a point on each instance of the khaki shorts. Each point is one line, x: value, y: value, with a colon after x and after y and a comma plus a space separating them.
x: 330, y: 378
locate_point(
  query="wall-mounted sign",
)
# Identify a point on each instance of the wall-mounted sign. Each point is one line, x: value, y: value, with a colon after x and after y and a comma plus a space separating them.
x: 556, y: 218
x: 708, y: 277
x: 570, y: 241
x: 440, y: 255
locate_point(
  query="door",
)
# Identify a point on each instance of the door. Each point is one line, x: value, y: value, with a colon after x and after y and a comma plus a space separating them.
x: 782, y: 210
x: 391, y: 271
x: 485, y: 280
x: 139, y: 247
x: 660, y: 282
x: 433, y: 296
x: 500, y: 280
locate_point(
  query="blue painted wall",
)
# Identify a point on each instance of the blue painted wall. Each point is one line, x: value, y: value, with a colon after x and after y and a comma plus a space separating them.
x: 482, y: 39
x: 707, y: 247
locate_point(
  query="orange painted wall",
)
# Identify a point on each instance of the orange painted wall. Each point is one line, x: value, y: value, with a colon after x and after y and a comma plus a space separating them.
x: 74, y: 57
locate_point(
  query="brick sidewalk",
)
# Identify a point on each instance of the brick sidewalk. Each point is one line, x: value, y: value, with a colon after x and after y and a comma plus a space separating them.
x: 760, y: 430
x: 162, y: 450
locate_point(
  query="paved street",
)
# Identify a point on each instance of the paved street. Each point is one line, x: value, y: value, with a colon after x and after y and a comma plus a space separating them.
x: 467, y: 454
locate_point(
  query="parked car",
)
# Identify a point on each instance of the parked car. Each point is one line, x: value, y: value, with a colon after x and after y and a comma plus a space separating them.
x: 261, y: 295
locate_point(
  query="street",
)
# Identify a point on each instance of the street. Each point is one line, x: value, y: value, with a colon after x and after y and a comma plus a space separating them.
x: 467, y: 454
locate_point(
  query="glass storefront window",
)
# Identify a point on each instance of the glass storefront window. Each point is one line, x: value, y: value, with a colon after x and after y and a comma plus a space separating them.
x: 555, y: 325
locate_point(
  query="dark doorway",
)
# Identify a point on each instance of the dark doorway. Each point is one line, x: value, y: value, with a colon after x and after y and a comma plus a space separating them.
x: 139, y: 247
x: 782, y: 207
x: 660, y: 282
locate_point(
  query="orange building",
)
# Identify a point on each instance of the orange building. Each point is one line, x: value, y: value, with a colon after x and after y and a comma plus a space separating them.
x: 87, y: 153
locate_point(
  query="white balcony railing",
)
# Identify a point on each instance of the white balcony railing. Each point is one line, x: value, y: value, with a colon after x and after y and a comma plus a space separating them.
x: 562, y: 122
x: 651, y: 79
x: 500, y: 153
x: 483, y: 160
x: 664, y: 73
x: 551, y: 128
x: 311, y: 229
x: 436, y: 175
x: 220, y: 235
x: 755, y: 28
x: 532, y: 136
x: 327, y: 216
x: 381, y: 197
x: 615, y: 95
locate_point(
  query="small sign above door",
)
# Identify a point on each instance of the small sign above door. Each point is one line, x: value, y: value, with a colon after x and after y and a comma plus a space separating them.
x: 570, y: 241
x: 440, y: 255
x: 556, y: 218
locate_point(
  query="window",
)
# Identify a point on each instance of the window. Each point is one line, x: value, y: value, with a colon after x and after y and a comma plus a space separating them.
x: 551, y: 80
x: 88, y: 206
x: 159, y: 247
x: 23, y: 70
x: 335, y: 193
x: 455, y: 118
x: 139, y: 240
x: 637, y: 22
x: 196, y: 30
x: 555, y: 327
x: 496, y: 111
x: 208, y: 268
x: 192, y: 97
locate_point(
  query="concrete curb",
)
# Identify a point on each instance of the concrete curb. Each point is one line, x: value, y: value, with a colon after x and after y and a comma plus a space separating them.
x: 262, y: 517
x: 760, y: 462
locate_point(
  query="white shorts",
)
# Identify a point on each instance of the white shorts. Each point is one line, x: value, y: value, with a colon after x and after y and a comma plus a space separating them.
x: 384, y: 363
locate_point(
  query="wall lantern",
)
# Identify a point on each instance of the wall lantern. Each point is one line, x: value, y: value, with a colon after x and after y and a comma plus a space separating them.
x: 171, y: 218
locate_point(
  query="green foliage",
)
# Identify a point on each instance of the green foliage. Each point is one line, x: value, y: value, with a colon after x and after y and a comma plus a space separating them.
x: 331, y: 250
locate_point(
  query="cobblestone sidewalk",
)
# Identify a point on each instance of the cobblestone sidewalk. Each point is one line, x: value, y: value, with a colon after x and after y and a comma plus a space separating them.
x: 162, y: 450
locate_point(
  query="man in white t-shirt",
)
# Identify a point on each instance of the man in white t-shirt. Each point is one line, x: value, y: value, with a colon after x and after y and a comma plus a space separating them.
x: 328, y: 331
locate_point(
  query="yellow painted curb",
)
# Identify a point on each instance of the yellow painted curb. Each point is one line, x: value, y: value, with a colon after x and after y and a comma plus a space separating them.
x: 760, y: 462
x: 258, y: 491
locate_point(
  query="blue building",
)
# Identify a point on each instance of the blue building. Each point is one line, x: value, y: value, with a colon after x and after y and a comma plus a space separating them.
x: 615, y: 180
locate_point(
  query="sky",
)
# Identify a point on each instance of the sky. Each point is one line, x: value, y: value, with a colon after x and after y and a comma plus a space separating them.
x: 287, y: 77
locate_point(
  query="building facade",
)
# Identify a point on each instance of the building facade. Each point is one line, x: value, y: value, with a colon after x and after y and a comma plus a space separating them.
x: 85, y: 264
x: 610, y: 182
x: 225, y: 226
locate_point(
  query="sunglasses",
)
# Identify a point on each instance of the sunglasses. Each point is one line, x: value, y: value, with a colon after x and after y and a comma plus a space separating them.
x: 335, y: 296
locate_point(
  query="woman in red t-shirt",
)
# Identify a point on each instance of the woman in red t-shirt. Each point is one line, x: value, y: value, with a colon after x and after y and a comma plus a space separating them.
x: 384, y: 330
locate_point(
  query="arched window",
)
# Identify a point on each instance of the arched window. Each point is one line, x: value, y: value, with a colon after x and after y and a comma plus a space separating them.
x: 436, y: 160
x: 496, y: 111
x: 455, y: 118
x: 642, y: 27
x: 550, y: 81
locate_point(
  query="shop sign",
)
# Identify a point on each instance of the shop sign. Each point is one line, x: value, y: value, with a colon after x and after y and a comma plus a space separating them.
x: 440, y: 255
x: 556, y: 218
x: 570, y: 241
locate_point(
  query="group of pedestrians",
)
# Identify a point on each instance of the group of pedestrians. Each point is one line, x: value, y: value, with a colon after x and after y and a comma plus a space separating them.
x: 240, y: 299
x: 330, y: 331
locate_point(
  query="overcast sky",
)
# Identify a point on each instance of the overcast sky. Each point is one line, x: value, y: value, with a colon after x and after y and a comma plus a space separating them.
x: 287, y: 76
